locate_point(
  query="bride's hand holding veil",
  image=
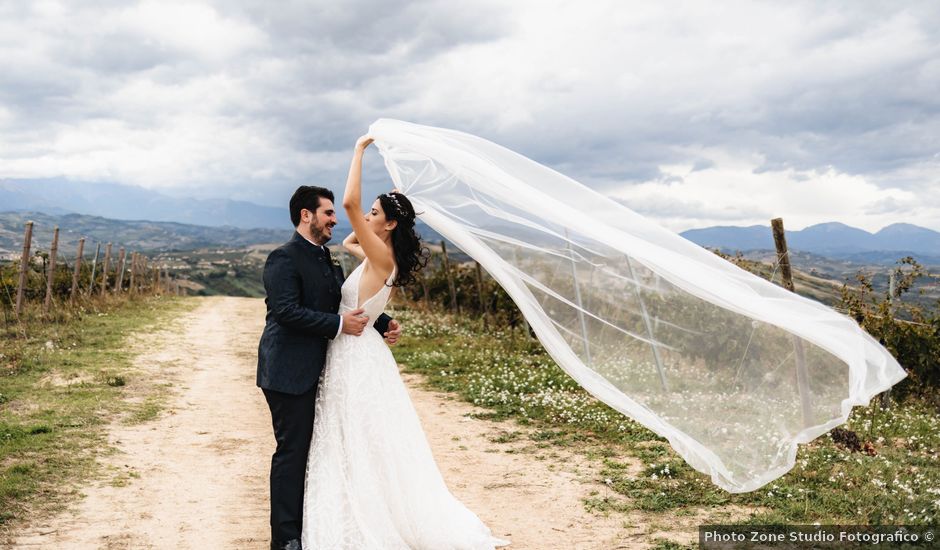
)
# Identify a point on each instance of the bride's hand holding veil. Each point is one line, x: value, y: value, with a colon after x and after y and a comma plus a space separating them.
x: 363, y: 142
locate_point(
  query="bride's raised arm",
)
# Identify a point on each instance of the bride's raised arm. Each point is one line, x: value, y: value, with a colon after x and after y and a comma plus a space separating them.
x: 369, y: 244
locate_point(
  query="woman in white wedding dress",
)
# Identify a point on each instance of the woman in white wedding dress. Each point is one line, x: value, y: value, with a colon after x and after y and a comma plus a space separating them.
x: 372, y: 482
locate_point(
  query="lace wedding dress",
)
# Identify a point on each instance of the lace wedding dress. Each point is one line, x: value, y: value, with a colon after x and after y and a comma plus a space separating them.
x: 372, y: 482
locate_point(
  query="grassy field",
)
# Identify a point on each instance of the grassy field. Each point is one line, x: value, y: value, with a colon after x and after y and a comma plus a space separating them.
x: 897, y: 481
x: 60, y: 385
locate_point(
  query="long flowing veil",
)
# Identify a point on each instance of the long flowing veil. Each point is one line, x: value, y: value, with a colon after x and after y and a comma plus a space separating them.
x: 733, y: 370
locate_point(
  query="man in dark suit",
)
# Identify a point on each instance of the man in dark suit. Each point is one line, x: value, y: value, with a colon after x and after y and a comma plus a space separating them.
x: 303, y: 295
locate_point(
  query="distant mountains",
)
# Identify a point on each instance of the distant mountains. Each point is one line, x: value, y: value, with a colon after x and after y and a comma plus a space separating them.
x: 113, y: 201
x: 125, y: 202
x: 834, y: 240
x: 140, y: 235
x: 95, y: 209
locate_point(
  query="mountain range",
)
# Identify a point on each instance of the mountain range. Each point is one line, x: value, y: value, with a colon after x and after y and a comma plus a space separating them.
x: 126, y: 202
x: 174, y: 222
x: 833, y: 239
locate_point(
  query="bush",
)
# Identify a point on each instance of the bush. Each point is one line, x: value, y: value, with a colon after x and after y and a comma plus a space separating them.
x: 908, y: 330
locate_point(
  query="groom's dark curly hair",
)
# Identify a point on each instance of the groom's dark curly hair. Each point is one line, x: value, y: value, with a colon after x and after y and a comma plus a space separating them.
x: 307, y: 196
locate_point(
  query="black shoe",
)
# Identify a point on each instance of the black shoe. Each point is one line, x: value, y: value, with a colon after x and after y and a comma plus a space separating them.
x: 292, y: 544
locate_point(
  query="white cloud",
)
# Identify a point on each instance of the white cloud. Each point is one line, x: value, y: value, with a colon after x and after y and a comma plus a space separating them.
x: 731, y: 193
x: 770, y: 103
x: 189, y: 28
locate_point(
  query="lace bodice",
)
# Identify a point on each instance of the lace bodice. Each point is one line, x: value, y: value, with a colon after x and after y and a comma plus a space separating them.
x: 375, y: 305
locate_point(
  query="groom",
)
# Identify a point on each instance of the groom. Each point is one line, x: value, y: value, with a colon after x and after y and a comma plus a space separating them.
x: 302, y: 283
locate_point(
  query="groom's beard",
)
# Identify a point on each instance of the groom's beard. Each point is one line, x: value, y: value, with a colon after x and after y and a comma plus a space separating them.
x: 321, y: 234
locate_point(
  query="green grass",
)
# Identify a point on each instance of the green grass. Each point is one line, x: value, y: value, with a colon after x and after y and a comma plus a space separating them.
x: 60, y: 385
x: 662, y: 544
x: 514, y: 379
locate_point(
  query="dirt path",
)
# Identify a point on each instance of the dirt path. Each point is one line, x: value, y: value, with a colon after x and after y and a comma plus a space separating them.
x: 196, y: 477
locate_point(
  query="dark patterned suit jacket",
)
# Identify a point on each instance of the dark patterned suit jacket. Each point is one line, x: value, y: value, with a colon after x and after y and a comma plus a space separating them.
x: 303, y: 296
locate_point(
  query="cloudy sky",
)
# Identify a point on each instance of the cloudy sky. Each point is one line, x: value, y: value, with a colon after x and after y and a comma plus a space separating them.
x: 692, y: 113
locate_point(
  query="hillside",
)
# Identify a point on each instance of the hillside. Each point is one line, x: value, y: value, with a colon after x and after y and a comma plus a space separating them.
x: 144, y: 236
x: 229, y: 260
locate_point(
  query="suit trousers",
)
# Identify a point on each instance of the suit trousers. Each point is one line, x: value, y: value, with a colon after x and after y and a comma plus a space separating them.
x: 292, y: 416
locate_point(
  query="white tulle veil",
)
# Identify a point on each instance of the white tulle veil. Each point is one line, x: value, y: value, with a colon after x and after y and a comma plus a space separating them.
x: 733, y: 370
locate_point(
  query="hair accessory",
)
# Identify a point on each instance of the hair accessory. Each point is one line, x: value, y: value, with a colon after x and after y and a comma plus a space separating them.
x: 394, y: 199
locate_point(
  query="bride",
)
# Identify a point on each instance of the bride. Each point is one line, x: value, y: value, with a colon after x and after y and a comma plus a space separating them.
x: 371, y: 481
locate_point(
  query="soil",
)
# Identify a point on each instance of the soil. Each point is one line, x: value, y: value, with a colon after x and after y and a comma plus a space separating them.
x: 197, y: 475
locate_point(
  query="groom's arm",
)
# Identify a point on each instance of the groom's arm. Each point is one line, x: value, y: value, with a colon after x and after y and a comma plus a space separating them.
x: 282, y: 284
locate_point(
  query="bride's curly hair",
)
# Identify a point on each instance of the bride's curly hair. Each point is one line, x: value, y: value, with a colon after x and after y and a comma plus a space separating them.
x: 410, y: 253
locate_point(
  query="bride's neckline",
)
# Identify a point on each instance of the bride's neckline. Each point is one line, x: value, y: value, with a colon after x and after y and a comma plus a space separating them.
x: 361, y: 268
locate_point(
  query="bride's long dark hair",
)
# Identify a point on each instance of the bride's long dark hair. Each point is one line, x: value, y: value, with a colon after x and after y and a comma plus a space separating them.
x: 410, y: 253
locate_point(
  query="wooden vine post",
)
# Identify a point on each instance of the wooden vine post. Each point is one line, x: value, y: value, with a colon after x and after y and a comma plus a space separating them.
x: 802, y: 378
x: 50, y: 276
x: 142, y: 273
x: 78, y: 268
x: 119, y: 272
x: 104, y: 269
x: 94, y: 267
x: 134, y: 261
x: 24, y: 269
x: 454, y: 306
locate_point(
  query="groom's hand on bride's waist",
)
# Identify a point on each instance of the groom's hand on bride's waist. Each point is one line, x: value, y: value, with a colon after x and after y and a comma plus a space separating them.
x: 354, y: 322
x: 393, y: 333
